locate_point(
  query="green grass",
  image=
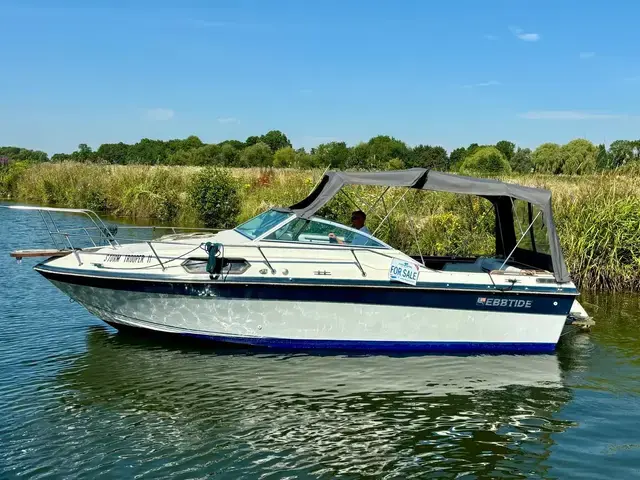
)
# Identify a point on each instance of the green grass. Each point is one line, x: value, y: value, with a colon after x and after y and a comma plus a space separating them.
x: 598, y: 216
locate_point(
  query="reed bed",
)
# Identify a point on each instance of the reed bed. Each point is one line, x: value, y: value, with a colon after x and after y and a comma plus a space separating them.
x: 598, y: 216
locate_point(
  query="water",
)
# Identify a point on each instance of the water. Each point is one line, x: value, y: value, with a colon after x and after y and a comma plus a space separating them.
x: 78, y: 400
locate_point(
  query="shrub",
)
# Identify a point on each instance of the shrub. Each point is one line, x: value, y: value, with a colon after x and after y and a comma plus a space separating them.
x: 10, y: 173
x: 486, y: 160
x: 395, y: 164
x: 284, y: 157
x: 214, y: 195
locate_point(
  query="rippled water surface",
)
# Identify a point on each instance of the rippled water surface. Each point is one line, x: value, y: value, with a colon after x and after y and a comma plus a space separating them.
x: 78, y: 400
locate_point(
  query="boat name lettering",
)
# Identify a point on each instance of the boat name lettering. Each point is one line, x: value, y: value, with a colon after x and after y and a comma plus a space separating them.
x: 127, y: 258
x: 504, y: 302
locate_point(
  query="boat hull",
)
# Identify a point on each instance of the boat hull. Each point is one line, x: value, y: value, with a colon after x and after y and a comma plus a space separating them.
x: 319, y: 317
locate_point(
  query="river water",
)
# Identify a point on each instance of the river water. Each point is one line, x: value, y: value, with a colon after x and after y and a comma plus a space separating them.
x: 78, y: 400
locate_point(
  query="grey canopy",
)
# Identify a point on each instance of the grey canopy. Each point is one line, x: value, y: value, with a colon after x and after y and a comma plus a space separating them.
x: 500, y: 194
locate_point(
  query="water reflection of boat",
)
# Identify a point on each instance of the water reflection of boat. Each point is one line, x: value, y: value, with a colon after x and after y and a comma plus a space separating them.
x: 431, y: 375
x: 336, y: 411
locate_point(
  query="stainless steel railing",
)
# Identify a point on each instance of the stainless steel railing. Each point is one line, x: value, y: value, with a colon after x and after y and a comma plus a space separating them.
x: 101, y: 235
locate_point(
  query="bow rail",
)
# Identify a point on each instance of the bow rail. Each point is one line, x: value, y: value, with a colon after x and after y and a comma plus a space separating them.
x: 98, y: 233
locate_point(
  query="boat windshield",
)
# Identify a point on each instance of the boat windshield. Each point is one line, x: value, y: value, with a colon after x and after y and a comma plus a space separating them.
x: 319, y: 230
x: 262, y: 223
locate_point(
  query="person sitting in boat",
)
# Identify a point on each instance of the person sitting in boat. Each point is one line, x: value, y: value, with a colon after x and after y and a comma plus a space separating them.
x: 358, y: 218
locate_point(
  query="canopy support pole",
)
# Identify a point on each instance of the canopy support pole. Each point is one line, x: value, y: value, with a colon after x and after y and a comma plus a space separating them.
x: 390, y: 212
x: 353, y: 202
x: 518, y: 243
x: 515, y: 215
x: 378, y: 199
x: 413, y: 231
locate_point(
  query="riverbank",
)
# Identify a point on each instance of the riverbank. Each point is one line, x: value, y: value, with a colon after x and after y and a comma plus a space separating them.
x: 598, y: 216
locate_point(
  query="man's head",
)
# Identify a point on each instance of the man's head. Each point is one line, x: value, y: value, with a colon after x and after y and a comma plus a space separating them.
x: 357, y: 219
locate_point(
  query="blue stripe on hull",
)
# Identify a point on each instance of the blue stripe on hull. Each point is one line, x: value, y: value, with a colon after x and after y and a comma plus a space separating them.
x: 45, y: 269
x: 283, y: 344
x: 506, y: 301
x: 385, y: 346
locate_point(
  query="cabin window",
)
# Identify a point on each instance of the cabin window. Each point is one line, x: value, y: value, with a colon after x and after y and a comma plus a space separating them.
x: 233, y: 266
x: 319, y: 232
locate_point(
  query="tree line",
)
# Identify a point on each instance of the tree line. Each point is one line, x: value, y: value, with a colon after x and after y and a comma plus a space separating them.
x: 382, y: 152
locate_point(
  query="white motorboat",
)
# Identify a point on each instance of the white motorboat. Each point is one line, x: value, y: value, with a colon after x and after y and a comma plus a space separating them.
x: 290, y: 279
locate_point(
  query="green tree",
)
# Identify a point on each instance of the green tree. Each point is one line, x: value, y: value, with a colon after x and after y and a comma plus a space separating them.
x: 115, y: 153
x: 207, y: 155
x: 13, y: 153
x: 603, y: 158
x: 621, y: 152
x: 579, y: 157
x: 486, y: 160
x: 426, y: 156
x: 284, y: 157
x: 359, y: 156
x: 333, y: 154
x: 191, y: 141
x: 507, y: 148
x: 60, y: 157
x: 215, y: 197
x: 383, y: 148
x: 548, y: 158
x: 229, y: 154
x: 521, y: 161
x: 472, y: 148
x: 456, y: 158
x: 148, y: 151
x: 258, y: 155
x: 237, y: 144
x: 252, y: 140
x: 18, y: 154
x: 276, y: 140
x: 84, y: 153
x: 303, y: 159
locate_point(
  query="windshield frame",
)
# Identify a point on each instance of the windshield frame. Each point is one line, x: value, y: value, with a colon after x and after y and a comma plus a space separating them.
x: 289, y: 216
x: 383, y: 246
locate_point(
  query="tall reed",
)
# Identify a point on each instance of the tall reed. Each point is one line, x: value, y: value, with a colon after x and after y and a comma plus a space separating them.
x: 598, y: 216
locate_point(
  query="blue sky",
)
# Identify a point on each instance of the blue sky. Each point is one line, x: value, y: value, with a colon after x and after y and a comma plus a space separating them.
x: 443, y: 73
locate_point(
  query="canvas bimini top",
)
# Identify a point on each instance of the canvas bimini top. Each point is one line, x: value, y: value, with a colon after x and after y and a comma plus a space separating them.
x: 500, y: 194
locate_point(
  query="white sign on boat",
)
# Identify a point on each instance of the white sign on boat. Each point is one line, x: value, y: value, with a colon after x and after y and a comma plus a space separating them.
x: 403, y: 271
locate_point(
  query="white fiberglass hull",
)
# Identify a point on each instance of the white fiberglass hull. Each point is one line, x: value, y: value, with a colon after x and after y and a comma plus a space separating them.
x: 322, y: 324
